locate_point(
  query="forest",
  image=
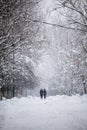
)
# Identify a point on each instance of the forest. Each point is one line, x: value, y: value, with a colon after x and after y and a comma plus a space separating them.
x: 43, y: 44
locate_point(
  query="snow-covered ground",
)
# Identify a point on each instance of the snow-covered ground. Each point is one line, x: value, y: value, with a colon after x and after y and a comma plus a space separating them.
x: 54, y: 113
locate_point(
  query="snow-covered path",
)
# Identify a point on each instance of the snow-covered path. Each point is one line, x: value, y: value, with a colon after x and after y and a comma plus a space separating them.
x: 54, y: 113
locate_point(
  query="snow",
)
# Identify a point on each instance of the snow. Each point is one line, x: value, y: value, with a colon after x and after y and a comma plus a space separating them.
x: 54, y: 113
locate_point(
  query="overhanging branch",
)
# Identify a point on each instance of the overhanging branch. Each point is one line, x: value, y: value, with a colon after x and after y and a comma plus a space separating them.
x: 56, y: 25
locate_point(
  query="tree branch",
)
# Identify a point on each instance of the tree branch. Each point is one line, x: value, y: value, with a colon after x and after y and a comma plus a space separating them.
x: 56, y: 25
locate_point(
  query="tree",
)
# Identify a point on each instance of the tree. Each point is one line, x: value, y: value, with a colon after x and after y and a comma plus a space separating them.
x: 15, y: 35
x: 75, y: 12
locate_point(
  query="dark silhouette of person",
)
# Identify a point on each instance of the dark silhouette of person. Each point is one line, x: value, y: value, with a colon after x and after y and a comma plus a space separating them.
x: 45, y: 93
x: 41, y: 93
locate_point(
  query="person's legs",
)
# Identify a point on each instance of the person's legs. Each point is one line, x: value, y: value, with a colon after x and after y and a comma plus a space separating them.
x: 44, y: 96
x: 41, y: 96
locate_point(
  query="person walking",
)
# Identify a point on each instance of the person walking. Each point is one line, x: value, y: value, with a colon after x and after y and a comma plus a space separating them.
x: 41, y: 93
x: 45, y: 93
